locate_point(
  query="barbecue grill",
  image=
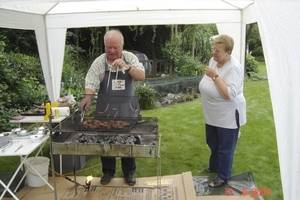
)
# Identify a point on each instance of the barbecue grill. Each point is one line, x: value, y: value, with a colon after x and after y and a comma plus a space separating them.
x: 108, y: 129
x: 141, y: 141
x: 139, y: 138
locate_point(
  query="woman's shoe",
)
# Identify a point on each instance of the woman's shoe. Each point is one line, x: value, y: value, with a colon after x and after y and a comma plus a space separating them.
x: 217, y: 183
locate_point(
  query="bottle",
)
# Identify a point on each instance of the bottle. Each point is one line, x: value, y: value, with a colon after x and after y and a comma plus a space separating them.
x: 47, y: 111
x: 47, y: 106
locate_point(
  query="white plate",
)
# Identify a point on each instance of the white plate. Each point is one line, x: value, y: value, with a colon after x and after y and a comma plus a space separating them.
x: 24, y: 134
x: 5, y: 134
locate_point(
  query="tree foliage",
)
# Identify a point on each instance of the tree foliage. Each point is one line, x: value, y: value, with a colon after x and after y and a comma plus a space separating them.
x: 190, y: 50
x: 21, y: 84
x: 196, y: 40
x: 253, y: 41
x: 251, y: 64
x: 187, y: 47
x: 74, y: 70
x: 19, y: 41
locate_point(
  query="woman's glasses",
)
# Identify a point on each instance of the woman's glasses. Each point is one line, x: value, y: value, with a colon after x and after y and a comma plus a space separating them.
x: 216, y: 50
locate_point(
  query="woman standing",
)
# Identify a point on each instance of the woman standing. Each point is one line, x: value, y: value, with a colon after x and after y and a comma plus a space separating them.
x: 223, y: 105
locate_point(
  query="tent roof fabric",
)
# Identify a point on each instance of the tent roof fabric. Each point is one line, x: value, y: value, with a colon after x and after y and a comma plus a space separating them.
x: 71, y: 7
x: 72, y: 13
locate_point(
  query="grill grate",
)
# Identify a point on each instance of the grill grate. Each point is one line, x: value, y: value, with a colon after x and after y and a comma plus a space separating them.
x: 106, y: 125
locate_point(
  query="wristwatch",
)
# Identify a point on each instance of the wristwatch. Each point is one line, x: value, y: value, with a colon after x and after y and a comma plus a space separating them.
x: 128, y: 69
x: 214, y: 78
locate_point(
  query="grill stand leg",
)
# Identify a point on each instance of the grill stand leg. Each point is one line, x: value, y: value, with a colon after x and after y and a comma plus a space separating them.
x: 74, y: 171
x: 51, y: 156
x: 158, y: 182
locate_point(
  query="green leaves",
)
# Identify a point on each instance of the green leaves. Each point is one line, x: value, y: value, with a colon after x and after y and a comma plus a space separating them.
x: 190, y: 50
x: 73, y: 74
x: 251, y: 64
x: 21, y: 85
x: 147, y: 96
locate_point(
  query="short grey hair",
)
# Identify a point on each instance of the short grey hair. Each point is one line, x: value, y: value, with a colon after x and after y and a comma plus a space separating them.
x: 112, y: 33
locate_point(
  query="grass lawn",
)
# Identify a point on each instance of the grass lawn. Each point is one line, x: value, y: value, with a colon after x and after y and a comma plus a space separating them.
x: 183, y: 146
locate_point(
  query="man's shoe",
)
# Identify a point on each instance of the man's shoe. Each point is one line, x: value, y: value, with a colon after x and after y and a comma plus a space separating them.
x: 206, y: 170
x: 105, y: 179
x: 130, y: 180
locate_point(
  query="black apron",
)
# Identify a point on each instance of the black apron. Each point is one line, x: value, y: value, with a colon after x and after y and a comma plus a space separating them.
x: 117, y: 97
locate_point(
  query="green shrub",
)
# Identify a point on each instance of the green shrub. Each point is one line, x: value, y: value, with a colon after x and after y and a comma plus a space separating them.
x: 255, y: 77
x: 19, y: 90
x: 260, y: 58
x: 258, y: 53
x: 182, y: 98
x: 172, y: 50
x: 5, y: 114
x: 147, y: 96
x: 26, y: 88
x: 184, y: 64
x: 73, y: 74
x: 189, y: 66
x: 189, y: 95
x: 251, y: 64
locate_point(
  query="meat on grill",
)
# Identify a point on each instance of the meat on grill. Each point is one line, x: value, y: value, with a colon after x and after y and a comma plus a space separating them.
x: 111, y: 124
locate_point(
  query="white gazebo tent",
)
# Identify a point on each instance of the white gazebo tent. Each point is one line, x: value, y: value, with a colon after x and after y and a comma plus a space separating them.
x: 277, y: 21
x: 51, y: 19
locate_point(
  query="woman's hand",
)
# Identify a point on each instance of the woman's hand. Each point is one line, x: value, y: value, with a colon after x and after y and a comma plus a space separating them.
x: 210, y: 72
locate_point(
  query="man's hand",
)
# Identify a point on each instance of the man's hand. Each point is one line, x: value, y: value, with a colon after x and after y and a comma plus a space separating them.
x: 87, y: 100
x: 84, y: 104
x: 119, y: 63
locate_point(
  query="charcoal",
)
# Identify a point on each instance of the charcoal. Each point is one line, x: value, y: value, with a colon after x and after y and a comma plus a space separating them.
x: 117, y: 139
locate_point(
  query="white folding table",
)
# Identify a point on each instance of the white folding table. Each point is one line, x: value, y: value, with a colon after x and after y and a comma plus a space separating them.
x: 40, y: 119
x: 22, y: 147
x: 37, y: 119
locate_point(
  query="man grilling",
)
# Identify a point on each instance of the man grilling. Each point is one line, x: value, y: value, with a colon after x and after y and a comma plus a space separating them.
x: 112, y: 74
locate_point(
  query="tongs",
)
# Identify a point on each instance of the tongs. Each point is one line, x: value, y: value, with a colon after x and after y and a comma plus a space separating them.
x: 82, y: 115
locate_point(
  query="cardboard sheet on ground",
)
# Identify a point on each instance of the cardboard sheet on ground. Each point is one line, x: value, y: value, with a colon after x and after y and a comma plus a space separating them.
x: 173, y: 187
